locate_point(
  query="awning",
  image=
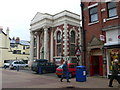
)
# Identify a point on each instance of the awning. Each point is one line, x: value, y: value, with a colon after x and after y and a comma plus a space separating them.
x: 112, y: 46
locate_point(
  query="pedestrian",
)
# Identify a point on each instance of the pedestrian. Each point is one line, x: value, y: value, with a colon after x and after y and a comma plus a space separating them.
x: 5, y: 66
x: 65, y: 72
x: 115, y: 72
x: 18, y: 68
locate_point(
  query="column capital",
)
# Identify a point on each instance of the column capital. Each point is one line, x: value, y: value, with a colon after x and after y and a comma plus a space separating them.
x: 45, y: 27
x: 32, y: 33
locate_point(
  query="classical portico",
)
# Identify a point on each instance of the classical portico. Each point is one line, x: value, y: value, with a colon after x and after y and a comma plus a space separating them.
x: 44, y: 30
x: 44, y: 48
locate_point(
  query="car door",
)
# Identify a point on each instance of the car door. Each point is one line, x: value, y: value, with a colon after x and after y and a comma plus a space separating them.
x: 72, y: 68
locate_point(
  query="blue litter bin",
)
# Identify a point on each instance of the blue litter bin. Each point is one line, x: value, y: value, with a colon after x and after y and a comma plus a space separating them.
x: 80, y: 73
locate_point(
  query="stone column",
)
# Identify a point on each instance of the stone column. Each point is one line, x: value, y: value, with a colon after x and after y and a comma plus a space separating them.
x: 65, y: 39
x: 46, y: 53
x: 38, y: 45
x: 31, y: 48
x: 51, y: 50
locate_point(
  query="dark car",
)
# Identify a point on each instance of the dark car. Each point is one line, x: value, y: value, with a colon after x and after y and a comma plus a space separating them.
x: 42, y: 66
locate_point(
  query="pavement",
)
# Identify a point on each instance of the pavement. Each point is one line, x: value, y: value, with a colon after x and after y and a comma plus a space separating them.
x: 28, y: 79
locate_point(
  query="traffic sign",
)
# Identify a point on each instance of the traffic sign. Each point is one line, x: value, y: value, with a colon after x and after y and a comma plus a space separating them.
x: 78, y: 52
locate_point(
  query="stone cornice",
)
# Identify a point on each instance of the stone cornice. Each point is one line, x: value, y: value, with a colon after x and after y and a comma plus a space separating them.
x: 41, y: 20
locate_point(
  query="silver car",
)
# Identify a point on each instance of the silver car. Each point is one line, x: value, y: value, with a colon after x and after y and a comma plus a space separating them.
x: 15, y: 64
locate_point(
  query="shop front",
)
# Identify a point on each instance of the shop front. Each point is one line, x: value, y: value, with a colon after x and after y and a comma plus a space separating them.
x: 112, y: 53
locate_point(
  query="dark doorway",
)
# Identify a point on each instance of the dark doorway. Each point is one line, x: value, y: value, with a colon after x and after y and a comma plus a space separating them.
x: 96, y: 66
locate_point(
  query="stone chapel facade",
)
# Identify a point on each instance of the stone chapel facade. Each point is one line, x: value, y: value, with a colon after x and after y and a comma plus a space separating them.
x: 55, y: 37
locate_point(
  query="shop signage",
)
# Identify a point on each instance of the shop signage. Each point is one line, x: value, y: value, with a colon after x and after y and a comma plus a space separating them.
x: 118, y: 36
x: 102, y: 37
x: 115, y: 50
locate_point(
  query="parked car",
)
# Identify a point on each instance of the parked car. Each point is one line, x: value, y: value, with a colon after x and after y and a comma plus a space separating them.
x: 14, y: 64
x: 41, y: 66
x: 7, y: 63
x: 71, y: 67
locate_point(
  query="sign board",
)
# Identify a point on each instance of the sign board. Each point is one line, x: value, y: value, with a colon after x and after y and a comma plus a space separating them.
x: 102, y: 37
x: 118, y: 36
x: 78, y: 52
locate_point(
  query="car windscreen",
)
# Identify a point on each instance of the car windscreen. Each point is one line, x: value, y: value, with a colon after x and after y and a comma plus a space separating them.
x: 6, y: 61
x: 72, y: 66
x: 21, y: 62
x: 60, y: 67
x: 34, y: 64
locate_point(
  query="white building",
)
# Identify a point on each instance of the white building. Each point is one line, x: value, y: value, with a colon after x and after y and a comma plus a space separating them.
x: 55, y: 37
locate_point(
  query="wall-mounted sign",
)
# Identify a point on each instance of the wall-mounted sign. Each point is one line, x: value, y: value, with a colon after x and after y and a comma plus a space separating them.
x: 102, y: 37
x: 78, y: 52
x: 118, y: 36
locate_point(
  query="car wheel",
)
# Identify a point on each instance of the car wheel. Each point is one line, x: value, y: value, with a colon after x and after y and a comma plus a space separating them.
x: 15, y: 67
x: 43, y: 71
x: 70, y: 75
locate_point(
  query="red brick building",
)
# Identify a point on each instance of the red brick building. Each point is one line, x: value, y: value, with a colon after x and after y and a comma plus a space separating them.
x: 101, y: 29
x: 55, y: 37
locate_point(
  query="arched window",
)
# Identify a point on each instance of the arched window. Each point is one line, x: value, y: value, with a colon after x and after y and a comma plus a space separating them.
x: 72, y: 38
x: 72, y: 43
x: 59, y: 39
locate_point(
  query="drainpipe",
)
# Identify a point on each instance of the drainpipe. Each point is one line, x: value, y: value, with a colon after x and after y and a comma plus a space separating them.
x: 83, y: 35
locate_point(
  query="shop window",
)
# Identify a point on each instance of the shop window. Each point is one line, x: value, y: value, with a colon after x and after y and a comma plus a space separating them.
x: 112, y: 11
x: 114, y: 54
x: 93, y: 14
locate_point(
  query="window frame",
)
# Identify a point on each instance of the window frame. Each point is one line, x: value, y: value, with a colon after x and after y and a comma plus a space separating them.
x: 111, y: 8
x: 94, y: 13
x: 72, y: 52
x: 58, y: 43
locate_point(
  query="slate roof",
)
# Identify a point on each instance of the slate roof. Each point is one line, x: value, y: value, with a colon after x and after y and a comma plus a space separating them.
x: 22, y: 42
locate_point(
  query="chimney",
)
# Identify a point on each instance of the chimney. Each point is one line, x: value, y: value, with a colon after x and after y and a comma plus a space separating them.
x: 17, y: 40
x: 7, y: 31
x: 7, y: 41
x: 1, y: 28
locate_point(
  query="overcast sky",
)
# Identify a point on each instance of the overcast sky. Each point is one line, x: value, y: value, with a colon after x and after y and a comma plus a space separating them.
x: 17, y: 14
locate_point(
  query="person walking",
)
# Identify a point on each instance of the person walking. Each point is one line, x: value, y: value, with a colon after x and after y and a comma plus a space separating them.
x: 115, y: 72
x: 65, y: 72
x: 18, y: 68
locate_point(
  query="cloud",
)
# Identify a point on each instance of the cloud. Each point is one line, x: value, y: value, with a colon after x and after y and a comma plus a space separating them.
x: 17, y: 14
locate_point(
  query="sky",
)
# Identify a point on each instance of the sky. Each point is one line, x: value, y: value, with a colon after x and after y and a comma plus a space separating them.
x: 17, y: 14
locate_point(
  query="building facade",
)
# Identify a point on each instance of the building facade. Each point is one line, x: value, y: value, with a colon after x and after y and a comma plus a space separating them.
x: 55, y: 37
x: 11, y: 49
x: 101, y: 25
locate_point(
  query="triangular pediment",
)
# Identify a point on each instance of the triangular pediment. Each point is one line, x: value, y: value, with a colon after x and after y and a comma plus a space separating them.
x: 95, y: 41
x: 37, y: 17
